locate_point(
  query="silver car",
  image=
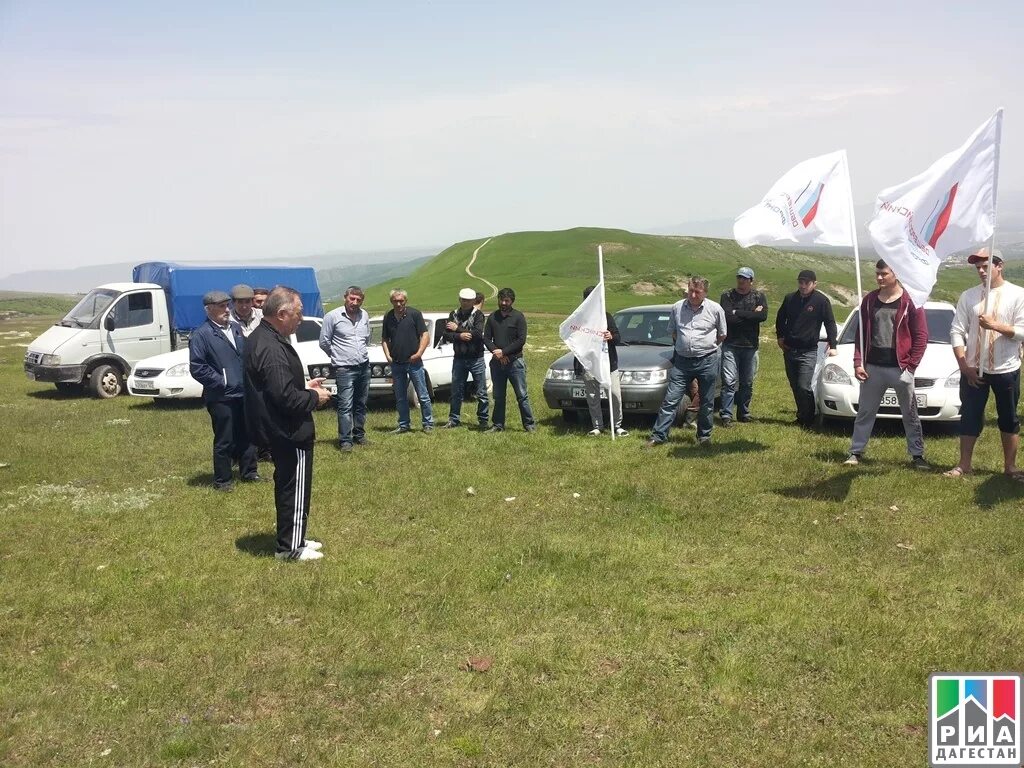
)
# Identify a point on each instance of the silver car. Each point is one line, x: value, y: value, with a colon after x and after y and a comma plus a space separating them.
x: 645, y: 358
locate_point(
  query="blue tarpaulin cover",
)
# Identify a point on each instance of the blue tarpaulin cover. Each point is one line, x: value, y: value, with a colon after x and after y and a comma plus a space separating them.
x: 185, y: 284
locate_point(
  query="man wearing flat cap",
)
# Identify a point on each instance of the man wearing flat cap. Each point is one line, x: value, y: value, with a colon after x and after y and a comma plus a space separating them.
x: 243, y: 310
x: 798, y: 326
x: 215, y: 351
x: 986, y: 335
x: 465, y: 332
x: 745, y: 309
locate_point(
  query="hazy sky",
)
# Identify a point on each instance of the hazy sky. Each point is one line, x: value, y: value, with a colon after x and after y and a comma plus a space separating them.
x: 177, y: 130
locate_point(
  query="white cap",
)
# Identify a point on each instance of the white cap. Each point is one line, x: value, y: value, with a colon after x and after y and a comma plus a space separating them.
x: 467, y: 293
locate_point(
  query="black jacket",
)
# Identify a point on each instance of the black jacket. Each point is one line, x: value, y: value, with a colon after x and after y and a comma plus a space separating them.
x: 742, y: 320
x: 613, y: 355
x: 278, y: 407
x: 214, y: 363
x: 474, y: 324
x: 799, y: 321
x: 506, y: 333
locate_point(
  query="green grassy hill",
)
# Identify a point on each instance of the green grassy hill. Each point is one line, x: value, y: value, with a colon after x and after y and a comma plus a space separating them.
x: 549, y: 270
x: 17, y: 302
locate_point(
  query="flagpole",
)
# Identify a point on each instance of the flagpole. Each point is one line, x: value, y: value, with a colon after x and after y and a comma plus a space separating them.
x: 856, y: 251
x: 604, y: 312
x: 991, y: 243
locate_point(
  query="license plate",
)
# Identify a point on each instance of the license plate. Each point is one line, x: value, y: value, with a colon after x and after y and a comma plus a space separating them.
x: 331, y: 388
x: 31, y: 376
x: 579, y: 393
x: 889, y: 400
x: 145, y: 385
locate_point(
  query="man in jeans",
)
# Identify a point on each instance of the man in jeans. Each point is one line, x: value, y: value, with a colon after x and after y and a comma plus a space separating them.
x: 344, y: 336
x: 797, y: 326
x: 895, y: 338
x: 465, y: 332
x: 698, y: 329
x: 745, y: 309
x: 505, y: 337
x: 405, y: 337
x: 994, y: 337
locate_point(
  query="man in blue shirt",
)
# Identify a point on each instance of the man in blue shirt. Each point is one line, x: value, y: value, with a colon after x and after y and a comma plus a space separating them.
x: 698, y: 329
x: 344, y: 336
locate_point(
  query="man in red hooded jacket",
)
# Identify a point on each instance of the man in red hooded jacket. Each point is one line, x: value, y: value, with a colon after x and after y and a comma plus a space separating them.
x: 895, y: 338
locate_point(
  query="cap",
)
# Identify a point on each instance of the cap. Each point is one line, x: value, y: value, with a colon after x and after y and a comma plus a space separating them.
x: 467, y: 293
x: 982, y: 256
x: 807, y: 274
x: 215, y: 297
x: 746, y: 272
x: 242, y: 291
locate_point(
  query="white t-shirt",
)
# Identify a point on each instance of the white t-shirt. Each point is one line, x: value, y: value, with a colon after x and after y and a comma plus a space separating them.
x: 1002, y: 353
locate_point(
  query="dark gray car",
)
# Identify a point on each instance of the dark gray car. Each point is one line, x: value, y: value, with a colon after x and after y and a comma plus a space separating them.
x: 645, y: 357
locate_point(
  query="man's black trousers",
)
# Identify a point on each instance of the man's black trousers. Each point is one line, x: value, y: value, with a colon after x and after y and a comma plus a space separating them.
x: 293, y: 478
x: 230, y: 441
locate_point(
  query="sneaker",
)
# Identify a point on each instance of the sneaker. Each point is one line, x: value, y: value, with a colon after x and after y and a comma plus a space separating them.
x: 652, y: 442
x: 223, y: 487
x: 494, y: 429
x: 254, y: 478
x: 399, y: 431
x: 345, y: 447
x: 302, y: 553
x: 594, y: 432
x: 703, y: 442
x: 482, y: 426
x: 316, y: 546
x: 531, y: 428
x: 918, y: 462
x: 852, y: 460
x: 726, y: 423
x: 745, y: 419
x: 361, y: 441
x: 428, y: 427
x: 620, y: 432
x: 451, y: 425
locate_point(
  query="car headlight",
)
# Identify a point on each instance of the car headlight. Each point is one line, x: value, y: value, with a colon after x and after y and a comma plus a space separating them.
x: 181, y: 369
x: 834, y: 374
x: 953, y: 382
x: 645, y: 377
x: 387, y: 370
x: 319, y: 371
x: 49, y: 360
x: 560, y: 374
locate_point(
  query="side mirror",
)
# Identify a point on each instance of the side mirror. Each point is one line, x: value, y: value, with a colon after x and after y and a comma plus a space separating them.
x: 108, y: 323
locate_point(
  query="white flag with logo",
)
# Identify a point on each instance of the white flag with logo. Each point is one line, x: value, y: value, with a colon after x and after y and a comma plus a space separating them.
x: 583, y: 332
x: 810, y: 205
x: 948, y: 208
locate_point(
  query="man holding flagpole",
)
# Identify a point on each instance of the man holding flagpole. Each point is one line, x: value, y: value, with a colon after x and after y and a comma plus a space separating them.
x: 604, y: 344
x: 991, y: 340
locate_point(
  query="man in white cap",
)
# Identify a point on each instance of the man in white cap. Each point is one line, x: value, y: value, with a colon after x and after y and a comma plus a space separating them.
x: 465, y: 332
x: 745, y: 309
x: 994, y: 337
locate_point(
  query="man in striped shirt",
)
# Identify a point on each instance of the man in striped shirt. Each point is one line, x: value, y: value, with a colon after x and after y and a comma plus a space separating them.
x: 989, y: 335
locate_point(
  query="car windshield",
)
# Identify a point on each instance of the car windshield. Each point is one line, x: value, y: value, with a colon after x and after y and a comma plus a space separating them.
x: 638, y: 326
x: 939, y: 321
x: 87, y: 312
x: 375, y: 332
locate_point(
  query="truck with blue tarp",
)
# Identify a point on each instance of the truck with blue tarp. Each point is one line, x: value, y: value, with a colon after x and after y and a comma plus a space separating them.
x: 115, y: 325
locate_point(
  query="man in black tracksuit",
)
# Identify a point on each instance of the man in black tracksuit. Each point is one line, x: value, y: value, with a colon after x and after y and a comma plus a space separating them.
x: 797, y: 326
x: 278, y: 408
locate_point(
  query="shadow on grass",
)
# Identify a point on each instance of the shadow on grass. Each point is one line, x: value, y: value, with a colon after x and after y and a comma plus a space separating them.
x: 830, y: 489
x: 56, y: 394
x: 257, y: 544
x: 202, y: 480
x: 997, y: 488
x: 693, y: 450
x: 169, y: 404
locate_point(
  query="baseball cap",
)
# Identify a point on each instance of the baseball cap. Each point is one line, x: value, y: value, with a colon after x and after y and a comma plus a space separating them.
x: 215, y: 297
x: 467, y: 293
x: 807, y: 274
x: 242, y: 291
x: 982, y: 256
x: 746, y: 272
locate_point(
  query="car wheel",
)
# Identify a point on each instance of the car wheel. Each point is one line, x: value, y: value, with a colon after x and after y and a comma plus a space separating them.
x: 106, y: 381
x: 68, y: 387
x: 570, y: 416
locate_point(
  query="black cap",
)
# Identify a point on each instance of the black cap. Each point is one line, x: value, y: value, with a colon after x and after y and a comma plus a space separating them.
x: 807, y: 274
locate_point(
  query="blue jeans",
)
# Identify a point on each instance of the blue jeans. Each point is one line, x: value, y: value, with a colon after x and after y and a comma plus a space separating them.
x: 514, y: 372
x: 461, y: 369
x: 401, y: 373
x: 800, y: 372
x: 684, y: 370
x: 353, y: 389
x: 739, y: 367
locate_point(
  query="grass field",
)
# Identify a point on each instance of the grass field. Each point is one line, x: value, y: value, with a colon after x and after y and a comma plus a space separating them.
x: 754, y: 604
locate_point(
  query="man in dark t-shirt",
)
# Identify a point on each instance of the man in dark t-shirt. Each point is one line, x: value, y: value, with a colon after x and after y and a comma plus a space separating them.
x: 405, y: 337
x: 505, y: 337
x: 745, y: 309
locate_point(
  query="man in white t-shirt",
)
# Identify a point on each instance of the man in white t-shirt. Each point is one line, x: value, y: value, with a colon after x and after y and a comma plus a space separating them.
x: 992, y: 338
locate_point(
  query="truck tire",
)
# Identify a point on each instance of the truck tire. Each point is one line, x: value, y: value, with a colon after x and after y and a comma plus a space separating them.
x: 68, y: 387
x: 106, y: 381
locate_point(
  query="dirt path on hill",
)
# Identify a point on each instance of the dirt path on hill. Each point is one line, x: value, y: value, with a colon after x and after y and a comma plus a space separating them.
x: 494, y: 288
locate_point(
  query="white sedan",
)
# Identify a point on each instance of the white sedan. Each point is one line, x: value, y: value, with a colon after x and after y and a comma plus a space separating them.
x: 166, y: 376
x: 936, y: 381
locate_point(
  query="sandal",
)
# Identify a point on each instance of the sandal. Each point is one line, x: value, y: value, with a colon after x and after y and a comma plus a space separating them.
x: 955, y: 472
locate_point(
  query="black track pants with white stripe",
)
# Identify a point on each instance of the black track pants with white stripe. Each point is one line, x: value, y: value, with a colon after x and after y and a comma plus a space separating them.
x: 293, y: 477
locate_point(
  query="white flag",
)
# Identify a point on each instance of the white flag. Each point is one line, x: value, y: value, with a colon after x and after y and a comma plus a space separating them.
x: 948, y: 208
x: 810, y: 205
x: 583, y: 332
